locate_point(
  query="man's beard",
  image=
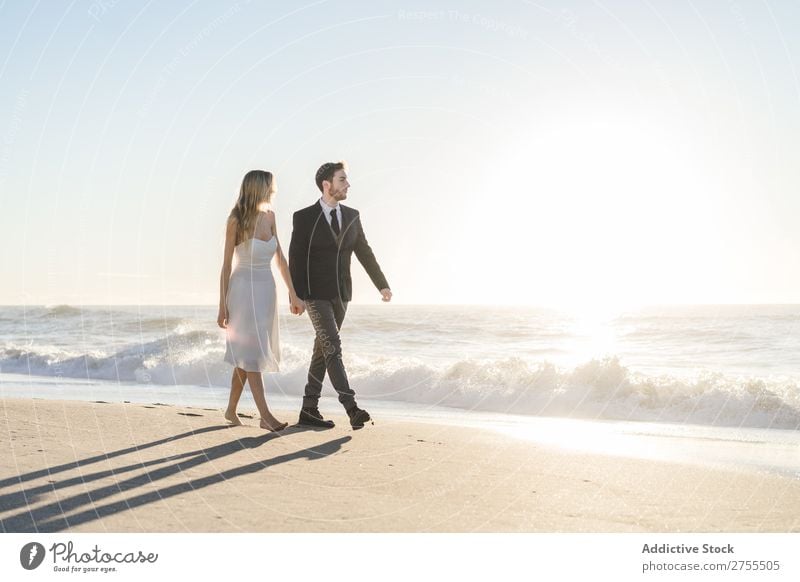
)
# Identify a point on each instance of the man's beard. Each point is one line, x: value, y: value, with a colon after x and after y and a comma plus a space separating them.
x: 339, y: 194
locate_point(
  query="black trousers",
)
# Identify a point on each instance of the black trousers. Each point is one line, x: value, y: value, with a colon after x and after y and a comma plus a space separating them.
x: 327, y: 316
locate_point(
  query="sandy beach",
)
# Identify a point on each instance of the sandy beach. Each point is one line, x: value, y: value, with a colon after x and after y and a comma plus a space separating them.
x: 108, y: 467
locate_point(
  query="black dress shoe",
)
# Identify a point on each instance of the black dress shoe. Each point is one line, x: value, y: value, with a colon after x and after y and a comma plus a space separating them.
x: 358, y: 417
x: 312, y: 417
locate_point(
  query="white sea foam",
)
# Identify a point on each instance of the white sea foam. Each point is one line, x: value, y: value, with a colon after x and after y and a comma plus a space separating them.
x: 598, y: 388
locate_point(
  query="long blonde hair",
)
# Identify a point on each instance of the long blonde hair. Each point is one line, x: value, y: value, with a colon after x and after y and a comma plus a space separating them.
x: 257, y: 188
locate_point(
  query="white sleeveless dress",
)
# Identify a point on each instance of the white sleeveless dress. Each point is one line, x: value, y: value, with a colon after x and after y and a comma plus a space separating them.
x: 252, y: 341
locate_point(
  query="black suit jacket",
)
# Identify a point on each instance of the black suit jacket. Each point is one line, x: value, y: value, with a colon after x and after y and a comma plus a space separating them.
x: 319, y: 261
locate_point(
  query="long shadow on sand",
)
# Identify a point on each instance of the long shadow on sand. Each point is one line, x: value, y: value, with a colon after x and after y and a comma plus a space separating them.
x: 30, y: 495
x: 53, y: 517
x: 16, y: 480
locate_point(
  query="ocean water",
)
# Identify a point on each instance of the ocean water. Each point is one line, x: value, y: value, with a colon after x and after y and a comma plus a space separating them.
x: 714, y: 366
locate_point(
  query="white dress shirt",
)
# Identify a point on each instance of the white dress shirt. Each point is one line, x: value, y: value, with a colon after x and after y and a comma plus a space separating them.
x: 326, y: 210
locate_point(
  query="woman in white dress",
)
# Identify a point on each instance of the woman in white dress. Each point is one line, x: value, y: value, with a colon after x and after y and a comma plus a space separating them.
x: 248, y: 303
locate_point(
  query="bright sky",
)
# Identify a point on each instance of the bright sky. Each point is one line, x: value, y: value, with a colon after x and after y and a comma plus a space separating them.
x: 549, y: 152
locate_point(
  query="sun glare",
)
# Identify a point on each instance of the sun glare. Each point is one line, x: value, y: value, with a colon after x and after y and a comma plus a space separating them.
x: 614, y: 219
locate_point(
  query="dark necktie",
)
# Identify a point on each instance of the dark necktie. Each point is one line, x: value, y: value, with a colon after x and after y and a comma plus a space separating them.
x: 334, y: 222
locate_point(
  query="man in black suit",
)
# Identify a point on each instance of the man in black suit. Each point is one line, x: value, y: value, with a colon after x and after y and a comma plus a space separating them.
x: 324, y: 237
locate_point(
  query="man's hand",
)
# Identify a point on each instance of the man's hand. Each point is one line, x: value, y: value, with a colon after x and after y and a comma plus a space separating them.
x: 296, y: 305
x: 386, y: 295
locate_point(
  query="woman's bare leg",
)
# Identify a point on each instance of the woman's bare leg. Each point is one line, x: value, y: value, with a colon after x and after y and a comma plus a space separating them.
x: 257, y: 388
x: 237, y: 387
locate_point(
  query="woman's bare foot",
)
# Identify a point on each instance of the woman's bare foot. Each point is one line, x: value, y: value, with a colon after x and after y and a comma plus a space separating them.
x: 232, y: 418
x: 272, y: 424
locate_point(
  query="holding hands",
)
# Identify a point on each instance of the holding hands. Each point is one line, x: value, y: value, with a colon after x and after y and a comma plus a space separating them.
x: 296, y: 305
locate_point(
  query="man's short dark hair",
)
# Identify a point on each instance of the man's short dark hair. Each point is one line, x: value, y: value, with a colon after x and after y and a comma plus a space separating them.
x: 326, y: 172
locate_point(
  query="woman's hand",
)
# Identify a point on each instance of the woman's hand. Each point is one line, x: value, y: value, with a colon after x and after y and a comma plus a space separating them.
x: 296, y: 305
x: 222, y: 317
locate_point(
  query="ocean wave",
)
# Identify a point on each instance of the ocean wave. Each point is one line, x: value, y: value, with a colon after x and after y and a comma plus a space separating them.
x: 186, y: 356
x: 129, y: 364
x: 60, y: 311
x: 597, y: 389
x: 121, y: 319
x: 168, y: 323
